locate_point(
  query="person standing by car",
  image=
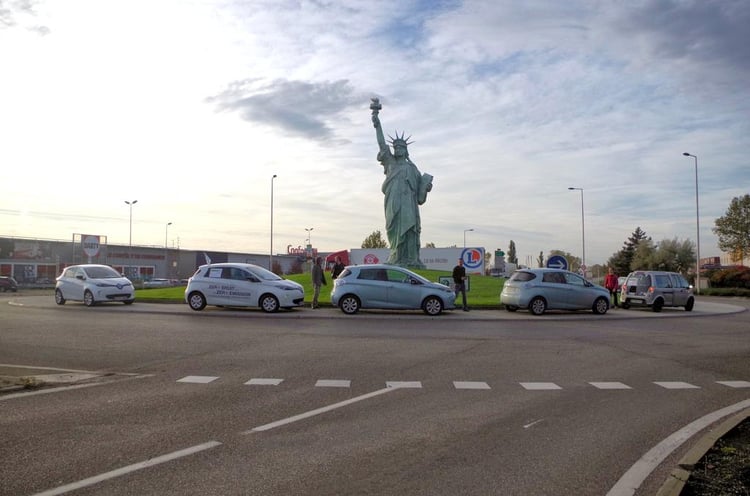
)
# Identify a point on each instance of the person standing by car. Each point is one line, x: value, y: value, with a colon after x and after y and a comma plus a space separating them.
x: 318, y: 280
x: 337, y: 268
x: 459, y: 282
x: 610, y: 282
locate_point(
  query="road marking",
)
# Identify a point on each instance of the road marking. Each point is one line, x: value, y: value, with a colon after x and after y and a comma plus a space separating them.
x: 540, y: 386
x: 634, y: 477
x: 69, y: 388
x: 128, y: 469
x: 404, y: 384
x: 676, y: 385
x: 333, y: 383
x: 735, y: 384
x: 470, y: 385
x: 610, y: 385
x: 532, y: 424
x: 198, y: 379
x: 318, y: 411
x: 264, y: 382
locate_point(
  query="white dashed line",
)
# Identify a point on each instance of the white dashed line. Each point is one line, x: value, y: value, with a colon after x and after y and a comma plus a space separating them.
x: 540, y: 386
x: 198, y: 379
x: 264, y: 382
x: 676, y: 385
x: 333, y: 383
x: 404, y: 384
x: 735, y: 384
x: 470, y: 385
x: 610, y: 385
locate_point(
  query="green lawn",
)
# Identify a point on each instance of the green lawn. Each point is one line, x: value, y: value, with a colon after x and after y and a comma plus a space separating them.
x: 484, y: 291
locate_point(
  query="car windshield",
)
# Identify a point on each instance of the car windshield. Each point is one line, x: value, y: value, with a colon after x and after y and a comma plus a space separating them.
x: 101, y: 273
x: 265, y: 275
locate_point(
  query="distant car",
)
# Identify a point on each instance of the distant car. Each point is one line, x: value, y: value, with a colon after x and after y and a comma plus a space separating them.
x: 656, y: 289
x: 388, y: 287
x: 7, y: 283
x: 157, y: 283
x: 92, y: 284
x: 539, y: 290
x: 241, y: 285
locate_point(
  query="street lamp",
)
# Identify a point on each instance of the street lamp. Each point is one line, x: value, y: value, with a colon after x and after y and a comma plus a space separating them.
x: 166, y: 249
x: 309, y: 241
x: 465, y: 231
x: 130, y: 242
x: 583, y: 233
x: 697, y: 230
x: 270, y: 256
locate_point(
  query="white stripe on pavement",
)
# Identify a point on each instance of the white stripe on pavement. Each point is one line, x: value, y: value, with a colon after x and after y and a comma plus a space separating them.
x: 470, y: 385
x: 130, y: 468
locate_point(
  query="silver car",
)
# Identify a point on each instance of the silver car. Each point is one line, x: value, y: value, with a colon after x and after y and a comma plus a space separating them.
x: 539, y: 290
x: 656, y: 289
x: 241, y: 285
x: 388, y: 287
x: 92, y: 284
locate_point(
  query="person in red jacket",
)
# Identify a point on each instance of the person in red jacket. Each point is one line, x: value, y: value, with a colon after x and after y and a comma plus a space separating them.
x: 610, y: 282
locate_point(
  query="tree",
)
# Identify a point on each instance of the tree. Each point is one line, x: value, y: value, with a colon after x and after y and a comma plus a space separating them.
x: 671, y: 255
x: 374, y: 240
x: 512, y: 257
x: 622, y: 261
x: 733, y: 228
x: 540, y: 259
x: 430, y: 245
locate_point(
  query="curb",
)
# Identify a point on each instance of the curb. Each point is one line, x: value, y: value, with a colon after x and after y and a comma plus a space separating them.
x: 677, y: 479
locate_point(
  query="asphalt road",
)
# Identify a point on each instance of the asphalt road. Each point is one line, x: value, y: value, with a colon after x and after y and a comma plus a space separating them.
x: 316, y: 402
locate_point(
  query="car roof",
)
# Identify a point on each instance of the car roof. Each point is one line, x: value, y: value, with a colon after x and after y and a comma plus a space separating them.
x: 540, y: 270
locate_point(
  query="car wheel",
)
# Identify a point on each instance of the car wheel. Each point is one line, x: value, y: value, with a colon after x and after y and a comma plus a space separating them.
x: 538, y: 306
x: 625, y: 305
x: 601, y: 305
x: 269, y: 303
x: 511, y: 308
x: 88, y: 298
x: 349, y: 304
x: 59, y: 297
x: 432, y: 306
x: 196, y: 301
x: 658, y: 305
x: 689, y: 305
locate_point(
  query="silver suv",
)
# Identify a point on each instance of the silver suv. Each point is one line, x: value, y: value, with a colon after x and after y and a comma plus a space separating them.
x: 656, y: 289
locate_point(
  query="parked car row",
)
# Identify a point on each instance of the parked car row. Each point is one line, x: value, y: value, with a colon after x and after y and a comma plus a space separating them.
x: 381, y: 286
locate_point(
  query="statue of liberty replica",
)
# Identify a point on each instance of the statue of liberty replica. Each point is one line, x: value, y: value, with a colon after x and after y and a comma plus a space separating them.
x: 405, y: 188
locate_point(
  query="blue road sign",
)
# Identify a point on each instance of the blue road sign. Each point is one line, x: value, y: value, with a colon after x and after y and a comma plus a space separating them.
x: 557, y: 262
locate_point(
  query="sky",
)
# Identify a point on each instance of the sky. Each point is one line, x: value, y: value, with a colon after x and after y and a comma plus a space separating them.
x: 191, y: 108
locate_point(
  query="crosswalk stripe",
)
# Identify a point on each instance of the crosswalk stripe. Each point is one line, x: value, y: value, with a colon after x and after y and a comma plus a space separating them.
x: 198, y: 379
x: 735, y: 384
x: 404, y: 384
x: 333, y: 383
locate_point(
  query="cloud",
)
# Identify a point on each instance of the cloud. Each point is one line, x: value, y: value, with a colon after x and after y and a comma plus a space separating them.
x: 12, y: 11
x: 300, y: 108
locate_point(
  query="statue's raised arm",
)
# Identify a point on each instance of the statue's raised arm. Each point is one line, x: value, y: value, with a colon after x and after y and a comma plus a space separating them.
x: 375, y: 106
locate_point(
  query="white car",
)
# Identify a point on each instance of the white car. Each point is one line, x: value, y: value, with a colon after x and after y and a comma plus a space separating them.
x: 241, y: 285
x: 92, y: 284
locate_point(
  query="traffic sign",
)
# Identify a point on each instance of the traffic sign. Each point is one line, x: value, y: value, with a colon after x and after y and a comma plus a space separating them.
x: 557, y: 262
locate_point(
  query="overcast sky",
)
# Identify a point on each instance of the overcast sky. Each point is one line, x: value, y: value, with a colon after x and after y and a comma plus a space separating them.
x: 190, y: 107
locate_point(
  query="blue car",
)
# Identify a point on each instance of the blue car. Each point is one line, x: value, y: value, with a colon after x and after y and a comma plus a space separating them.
x: 539, y: 290
x: 388, y: 287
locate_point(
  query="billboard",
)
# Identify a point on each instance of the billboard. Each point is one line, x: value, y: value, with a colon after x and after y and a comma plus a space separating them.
x: 433, y: 258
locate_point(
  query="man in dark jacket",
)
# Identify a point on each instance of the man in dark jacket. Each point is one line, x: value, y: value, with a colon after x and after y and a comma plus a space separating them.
x: 337, y: 268
x: 459, y: 281
x: 318, y: 280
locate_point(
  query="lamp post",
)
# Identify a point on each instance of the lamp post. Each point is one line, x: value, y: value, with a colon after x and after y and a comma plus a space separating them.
x: 697, y: 230
x: 166, y: 249
x: 309, y: 246
x: 130, y: 241
x: 270, y: 256
x: 583, y: 233
x: 465, y: 231
x: 309, y: 240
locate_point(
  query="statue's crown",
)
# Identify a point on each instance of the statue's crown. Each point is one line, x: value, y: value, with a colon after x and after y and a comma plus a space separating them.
x: 400, y: 140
